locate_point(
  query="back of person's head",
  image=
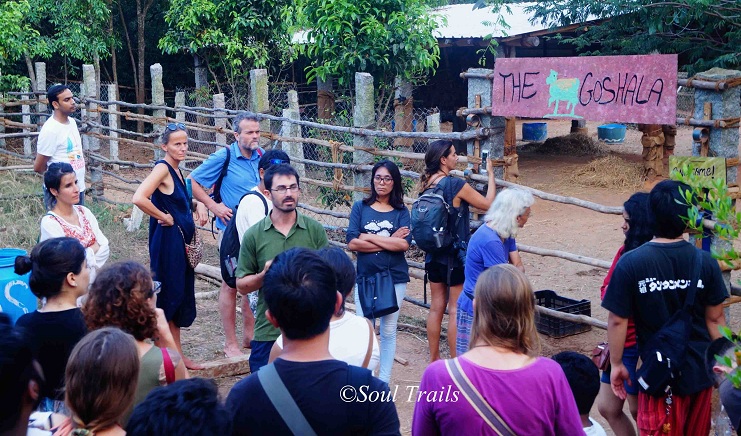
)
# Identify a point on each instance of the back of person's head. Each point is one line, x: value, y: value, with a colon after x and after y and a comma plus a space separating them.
x: 101, y: 377
x: 55, y: 172
x: 272, y: 157
x: 52, y: 94
x: 583, y: 377
x: 186, y: 407
x: 119, y: 297
x: 436, y: 150
x: 640, y: 226
x: 279, y: 170
x: 301, y: 292
x: 668, y: 205
x: 344, y: 270
x: 504, y: 311
x: 19, y: 375
x: 50, y: 262
x: 507, y: 206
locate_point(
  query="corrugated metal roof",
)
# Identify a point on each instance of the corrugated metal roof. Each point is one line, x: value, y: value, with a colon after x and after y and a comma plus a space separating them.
x: 465, y: 22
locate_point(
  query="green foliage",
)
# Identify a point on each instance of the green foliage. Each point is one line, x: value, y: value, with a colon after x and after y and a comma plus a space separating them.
x: 705, y: 33
x: 388, y: 38
x: 233, y: 35
x: 714, y: 198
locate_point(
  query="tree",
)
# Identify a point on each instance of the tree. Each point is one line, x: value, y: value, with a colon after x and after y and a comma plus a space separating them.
x: 17, y: 40
x: 229, y: 36
x: 705, y: 33
x: 388, y: 38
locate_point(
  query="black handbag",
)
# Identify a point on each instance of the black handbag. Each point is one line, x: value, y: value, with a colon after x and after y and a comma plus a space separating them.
x: 665, y: 352
x: 377, y: 295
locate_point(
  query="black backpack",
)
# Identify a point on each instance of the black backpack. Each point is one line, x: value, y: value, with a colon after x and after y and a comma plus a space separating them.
x: 432, y: 218
x: 229, y: 249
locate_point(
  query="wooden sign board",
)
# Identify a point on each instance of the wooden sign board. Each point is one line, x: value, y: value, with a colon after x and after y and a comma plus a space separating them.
x: 707, y: 168
x: 628, y: 89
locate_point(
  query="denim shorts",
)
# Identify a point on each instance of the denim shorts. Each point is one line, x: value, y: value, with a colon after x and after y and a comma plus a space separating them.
x: 630, y: 360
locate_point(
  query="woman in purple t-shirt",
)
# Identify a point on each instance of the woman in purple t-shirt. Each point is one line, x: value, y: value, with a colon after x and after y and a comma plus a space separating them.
x: 530, y: 394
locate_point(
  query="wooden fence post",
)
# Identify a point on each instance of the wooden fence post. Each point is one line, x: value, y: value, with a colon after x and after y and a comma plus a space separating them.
x: 26, y: 119
x: 158, y: 99
x: 403, y: 113
x: 293, y: 149
x: 41, y: 87
x: 220, y: 123
x: 113, y: 124
x: 364, y: 116
x: 260, y: 100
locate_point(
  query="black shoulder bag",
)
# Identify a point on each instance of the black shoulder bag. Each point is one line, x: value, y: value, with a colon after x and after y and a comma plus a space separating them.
x: 216, y: 193
x: 665, y: 352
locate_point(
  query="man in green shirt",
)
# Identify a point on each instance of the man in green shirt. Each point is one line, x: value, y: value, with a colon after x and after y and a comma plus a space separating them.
x: 284, y: 228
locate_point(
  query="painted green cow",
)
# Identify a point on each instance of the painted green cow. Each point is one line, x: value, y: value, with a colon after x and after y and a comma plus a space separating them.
x: 562, y: 90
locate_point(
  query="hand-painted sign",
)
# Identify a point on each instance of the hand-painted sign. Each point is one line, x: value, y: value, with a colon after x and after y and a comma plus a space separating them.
x: 632, y: 89
x: 708, y: 169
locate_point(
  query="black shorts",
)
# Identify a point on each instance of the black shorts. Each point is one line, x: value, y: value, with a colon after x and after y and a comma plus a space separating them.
x: 437, y: 273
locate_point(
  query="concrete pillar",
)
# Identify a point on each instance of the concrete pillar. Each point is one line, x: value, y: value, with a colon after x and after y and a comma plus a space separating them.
x: 293, y: 100
x: 89, y: 142
x: 113, y: 124
x: 433, y: 124
x: 723, y: 142
x: 480, y: 89
x: 158, y: 99
x: 41, y: 87
x: 179, y: 102
x: 293, y: 149
x: 26, y: 119
x: 259, y: 99
x: 219, y: 103
x: 364, y: 116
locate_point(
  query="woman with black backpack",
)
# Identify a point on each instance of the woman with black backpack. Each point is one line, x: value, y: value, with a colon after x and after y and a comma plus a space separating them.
x: 444, y: 271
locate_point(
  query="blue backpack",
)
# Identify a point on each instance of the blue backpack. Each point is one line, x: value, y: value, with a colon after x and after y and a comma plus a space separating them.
x: 431, y: 220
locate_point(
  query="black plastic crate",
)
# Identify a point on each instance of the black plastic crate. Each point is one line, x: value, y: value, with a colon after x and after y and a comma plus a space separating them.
x: 558, y: 328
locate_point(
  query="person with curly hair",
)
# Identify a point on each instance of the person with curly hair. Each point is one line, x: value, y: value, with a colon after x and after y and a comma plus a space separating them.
x: 124, y: 296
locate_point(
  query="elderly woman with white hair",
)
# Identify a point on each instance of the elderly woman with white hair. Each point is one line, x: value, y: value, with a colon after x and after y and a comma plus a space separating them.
x: 492, y: 244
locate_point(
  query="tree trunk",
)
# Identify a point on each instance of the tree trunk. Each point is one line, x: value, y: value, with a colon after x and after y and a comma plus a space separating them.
x: 31, y: 72
x: 201, y: 79
x: 141, y: 45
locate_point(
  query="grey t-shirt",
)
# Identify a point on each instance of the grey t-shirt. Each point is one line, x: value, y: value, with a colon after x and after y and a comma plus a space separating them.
x: 365, y: 219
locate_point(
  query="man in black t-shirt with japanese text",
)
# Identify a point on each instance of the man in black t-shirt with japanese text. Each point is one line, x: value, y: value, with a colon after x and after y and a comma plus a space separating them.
x: 650, y: 284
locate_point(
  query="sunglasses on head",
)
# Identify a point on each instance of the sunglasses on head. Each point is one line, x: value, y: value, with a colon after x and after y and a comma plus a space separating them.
x: 175, y: 126
x: 278, y: 161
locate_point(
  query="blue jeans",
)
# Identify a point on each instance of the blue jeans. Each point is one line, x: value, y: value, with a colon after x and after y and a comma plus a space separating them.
x: 630, y: 360
x: 388, y: 332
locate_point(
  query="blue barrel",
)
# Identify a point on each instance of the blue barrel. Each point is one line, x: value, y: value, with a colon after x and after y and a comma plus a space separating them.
x: 534, y: 131
x: 16, y: 297
x: 612, y: 133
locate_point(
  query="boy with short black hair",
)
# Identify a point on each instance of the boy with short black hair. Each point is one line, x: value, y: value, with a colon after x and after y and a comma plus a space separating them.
x: 583, y: 378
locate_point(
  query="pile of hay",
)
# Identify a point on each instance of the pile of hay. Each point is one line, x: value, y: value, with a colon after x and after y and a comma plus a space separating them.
x: 573, y: 144
x: 611, y: 172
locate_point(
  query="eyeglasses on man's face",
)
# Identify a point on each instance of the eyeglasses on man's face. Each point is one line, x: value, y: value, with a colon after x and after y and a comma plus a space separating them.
x: 284, y: 189
x: 383, y: 179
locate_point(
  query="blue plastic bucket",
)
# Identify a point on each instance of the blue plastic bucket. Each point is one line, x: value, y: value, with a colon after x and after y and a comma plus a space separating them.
x: 16, y: 297
x: 534, y: 131
x: 612, y: 133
